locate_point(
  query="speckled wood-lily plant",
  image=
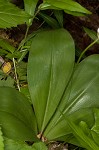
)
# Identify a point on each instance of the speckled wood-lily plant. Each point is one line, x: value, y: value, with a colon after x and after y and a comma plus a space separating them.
x: 65, y: 96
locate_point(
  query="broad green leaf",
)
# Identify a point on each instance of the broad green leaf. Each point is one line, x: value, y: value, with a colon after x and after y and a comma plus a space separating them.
x: 49, y: 20
x: 92, y: 34
x: 17, y: 145
x: 39, y: 146
x: 79, y: 99
x: 16, y: 115
x: 1, y: 141
x: 87, y: 137
x: 11, y: 16
x: 68, y: 5
x: 94, y: 131
x: 46, y: 5
x: 5, y: 45
x: 84, y: 140
x: 30, y: 6
x: 50, y: 66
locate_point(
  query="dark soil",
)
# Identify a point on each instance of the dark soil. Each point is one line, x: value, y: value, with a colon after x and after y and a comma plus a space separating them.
x: 73, y: 24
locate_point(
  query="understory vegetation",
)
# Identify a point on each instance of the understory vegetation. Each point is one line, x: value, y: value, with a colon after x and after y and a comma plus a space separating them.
x: 49, y: 87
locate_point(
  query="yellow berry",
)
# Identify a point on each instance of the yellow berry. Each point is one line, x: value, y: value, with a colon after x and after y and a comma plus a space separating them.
x: 6, y: 67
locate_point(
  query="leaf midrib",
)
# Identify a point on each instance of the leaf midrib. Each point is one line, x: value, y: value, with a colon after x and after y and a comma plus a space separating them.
x: 70, y: 5
x: 68, y: 108
x: 49, y: 91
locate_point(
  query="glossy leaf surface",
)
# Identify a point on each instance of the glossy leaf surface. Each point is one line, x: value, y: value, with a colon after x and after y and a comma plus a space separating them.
x: 49, y: 69
x: 16, y: 115
x: 68, y: 5
x: 85, y: 141
x: 79, y: 99
x: 88, y: 137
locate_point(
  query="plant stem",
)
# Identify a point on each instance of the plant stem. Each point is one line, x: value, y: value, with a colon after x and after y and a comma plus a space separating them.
x: 23, y: 42
x: 22, y: 56
x: 86, y: 50
x: 26, y: 33
x: 16, y: 76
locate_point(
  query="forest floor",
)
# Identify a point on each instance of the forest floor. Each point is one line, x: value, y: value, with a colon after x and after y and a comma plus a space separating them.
x: 75, y: 26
